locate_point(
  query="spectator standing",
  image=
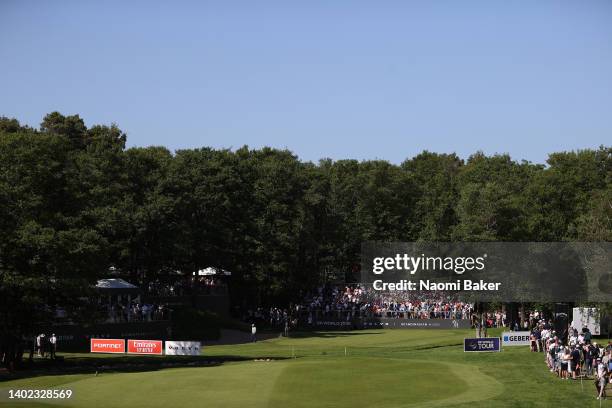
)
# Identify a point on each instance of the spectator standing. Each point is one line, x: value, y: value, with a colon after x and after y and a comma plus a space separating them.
x: 564, y: 357
x: 575, y: 361
x: 52, y: 345
x: 587, y: 335
x: 43, y: 345
x: 538, y: 336
x: 588, y: 358
x: 602, y: 380
x: 253, y: 333
x: 39, y: 345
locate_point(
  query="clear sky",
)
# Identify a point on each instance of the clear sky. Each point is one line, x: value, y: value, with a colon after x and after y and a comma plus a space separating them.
x: 339, y: 79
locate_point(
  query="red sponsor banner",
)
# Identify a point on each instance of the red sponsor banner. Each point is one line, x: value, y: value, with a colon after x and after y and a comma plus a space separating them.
x: 145, y: 347
x: 107, y: 346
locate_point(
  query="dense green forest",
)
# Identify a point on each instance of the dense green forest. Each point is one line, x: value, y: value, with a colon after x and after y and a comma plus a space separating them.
x: 75, y: 201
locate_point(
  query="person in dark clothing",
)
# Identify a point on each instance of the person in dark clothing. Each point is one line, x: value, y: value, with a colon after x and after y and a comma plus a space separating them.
x: 588, y: 359
x: 575, y: 362
x: 44, y: 345
x: 538, y: 338
x: 587, y: 335
x: 31, y: 340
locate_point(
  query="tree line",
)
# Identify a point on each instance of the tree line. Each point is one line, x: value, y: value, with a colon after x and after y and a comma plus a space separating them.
x: 75, y: 201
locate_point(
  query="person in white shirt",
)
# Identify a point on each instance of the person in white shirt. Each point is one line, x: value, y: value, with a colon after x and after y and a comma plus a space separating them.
x: 52, y: 345
x: 550, y: 356
x: 253, y: 333
x: 601, y: 377
x: 39, y: 345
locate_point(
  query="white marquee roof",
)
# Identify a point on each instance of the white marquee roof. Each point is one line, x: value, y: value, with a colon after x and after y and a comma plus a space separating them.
x: 210, y: 271
x: 114, y: 284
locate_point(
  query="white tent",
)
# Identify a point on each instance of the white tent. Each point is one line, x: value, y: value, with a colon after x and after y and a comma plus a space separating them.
x: 210, y: 271
x: 114, y: 284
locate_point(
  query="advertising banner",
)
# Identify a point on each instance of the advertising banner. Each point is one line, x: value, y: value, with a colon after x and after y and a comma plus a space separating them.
x: 329, y: 323
x: 481, y: 344
x: 107, y: 345
x: 145, y: 347
x: 517, y: 338
x: 392, y: 323
x: 183, y: 348
x: 587, y: 317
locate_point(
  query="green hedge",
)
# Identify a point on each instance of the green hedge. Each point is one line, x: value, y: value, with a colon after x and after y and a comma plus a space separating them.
x: 192, y: 324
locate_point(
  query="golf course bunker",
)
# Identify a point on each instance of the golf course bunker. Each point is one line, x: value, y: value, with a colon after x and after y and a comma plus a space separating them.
x: 378, y: 382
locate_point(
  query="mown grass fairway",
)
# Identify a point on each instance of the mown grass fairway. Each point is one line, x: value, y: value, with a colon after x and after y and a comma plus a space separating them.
x: 375, y: 368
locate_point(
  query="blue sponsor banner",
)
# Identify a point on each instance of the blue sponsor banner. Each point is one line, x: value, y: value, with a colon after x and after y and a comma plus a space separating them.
x: 481, y: 344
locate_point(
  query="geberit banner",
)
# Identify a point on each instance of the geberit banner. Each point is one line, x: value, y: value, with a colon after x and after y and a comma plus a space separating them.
x: 517, y: 338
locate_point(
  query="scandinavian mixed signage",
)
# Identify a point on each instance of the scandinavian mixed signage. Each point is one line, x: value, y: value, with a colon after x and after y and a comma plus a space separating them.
x: 481, y: 344
x: 183, y: 348
x: 518, y: 338
x: 145, y: 347
x: 392, y: 323
x: 107, y: 345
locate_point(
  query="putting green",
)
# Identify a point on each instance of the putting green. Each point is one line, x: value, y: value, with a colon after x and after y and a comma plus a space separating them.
x: 331, y: 382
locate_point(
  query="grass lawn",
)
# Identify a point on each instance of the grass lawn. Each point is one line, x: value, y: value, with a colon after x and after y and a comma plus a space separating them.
x: 373, y: 368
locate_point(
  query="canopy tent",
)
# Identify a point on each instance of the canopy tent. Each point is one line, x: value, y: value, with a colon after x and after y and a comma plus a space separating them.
x: 116, y: 286
x: 211, y: 271
x: 115, y: 291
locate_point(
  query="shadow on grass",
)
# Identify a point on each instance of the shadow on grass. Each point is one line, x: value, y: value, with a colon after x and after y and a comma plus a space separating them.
x: 119, y: 364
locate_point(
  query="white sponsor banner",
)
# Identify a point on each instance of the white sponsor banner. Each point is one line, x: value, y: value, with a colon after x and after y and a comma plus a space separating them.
x: 586, y: 317
x: 517, y: 338
x: 183, y: 348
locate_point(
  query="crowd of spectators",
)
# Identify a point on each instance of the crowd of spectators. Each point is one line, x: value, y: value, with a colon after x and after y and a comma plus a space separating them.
x: 421, y: 305
x: 193, y: 285
x: 151, y: 302
x: 577, y: 357
x: 355, y: 301
x: 13, y: 349
x: 144, y: 312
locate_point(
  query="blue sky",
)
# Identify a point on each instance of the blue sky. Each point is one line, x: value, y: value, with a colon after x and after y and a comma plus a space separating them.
x: 339, y: 79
